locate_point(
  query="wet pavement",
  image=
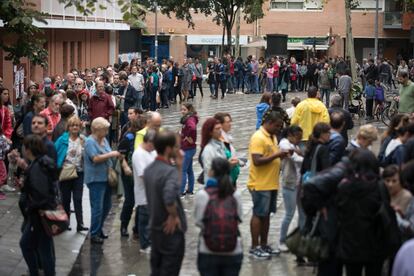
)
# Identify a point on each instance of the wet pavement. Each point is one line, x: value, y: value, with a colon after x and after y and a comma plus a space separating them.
x: 121, y: 256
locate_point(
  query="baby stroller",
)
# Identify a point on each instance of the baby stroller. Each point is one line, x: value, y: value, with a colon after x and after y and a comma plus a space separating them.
x: 356, y: 104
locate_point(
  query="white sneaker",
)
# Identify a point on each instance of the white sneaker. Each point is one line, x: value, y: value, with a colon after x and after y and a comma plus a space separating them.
x: 283, y: 248
x: 7, y: 188
x: 146, y: 250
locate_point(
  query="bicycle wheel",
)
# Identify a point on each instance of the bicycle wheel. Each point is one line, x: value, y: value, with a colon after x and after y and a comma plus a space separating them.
x: 389, y: 112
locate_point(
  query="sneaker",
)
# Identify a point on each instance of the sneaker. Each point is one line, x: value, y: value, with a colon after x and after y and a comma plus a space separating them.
x: 2, y: 196
x: 146, y: 250
x: 183, y: 195
x: 189, y: 193
x: 7, y: 188
x: 271, y: 251
x: 259, y: 253
x: 283, y: 248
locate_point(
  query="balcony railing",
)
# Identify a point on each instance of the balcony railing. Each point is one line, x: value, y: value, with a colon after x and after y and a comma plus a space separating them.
x: 392, y: 20
x: 57, y: 10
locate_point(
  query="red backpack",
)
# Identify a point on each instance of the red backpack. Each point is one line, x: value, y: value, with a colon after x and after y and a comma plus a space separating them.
x: 220, y: 222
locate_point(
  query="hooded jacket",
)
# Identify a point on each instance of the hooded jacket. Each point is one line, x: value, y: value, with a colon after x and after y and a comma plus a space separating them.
x: 308, y: 113
x: 261, y: 109
x: 189, y: 130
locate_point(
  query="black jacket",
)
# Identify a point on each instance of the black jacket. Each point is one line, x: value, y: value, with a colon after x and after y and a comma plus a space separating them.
x: 131, y: 96
x: 409, y: 150
x: 349, y: 123
x: 371, y: 72
x: 322, y: 159
x: 352, y: 204
x: 40, y: 185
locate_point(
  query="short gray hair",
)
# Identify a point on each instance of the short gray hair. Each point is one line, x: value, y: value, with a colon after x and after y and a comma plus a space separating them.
x: 99, y: 123
x: 336, y: 100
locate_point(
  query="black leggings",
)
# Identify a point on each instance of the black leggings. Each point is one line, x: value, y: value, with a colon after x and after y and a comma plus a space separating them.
x: 371, y: 269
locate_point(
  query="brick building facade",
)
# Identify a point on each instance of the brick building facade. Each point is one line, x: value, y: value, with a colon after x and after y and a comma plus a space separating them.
x: 299, y: 19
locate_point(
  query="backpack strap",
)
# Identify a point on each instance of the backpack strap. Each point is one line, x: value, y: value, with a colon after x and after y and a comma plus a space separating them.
x: 314, y: 161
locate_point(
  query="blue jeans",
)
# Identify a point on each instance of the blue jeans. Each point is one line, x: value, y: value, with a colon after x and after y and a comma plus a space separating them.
x: 269, y: 86
x: 138, y: 104
x: 275, y: 84
x: 143, y: 231
x: 325, y: 93
x: 187, y: 170
x: 212, y: 88
x: 255, y: 84
x: 36, y: 244
x: 153, y: 99
x: 100, y: 198
x: 289, y: 199
x: 239, y: 80
x: 216, y: 265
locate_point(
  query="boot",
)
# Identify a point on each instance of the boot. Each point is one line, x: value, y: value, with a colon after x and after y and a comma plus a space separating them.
x: 124, y: 230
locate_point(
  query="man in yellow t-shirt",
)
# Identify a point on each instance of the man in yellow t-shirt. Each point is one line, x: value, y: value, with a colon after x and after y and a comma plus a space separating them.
x: 154, y: 121
x: 263, y: 183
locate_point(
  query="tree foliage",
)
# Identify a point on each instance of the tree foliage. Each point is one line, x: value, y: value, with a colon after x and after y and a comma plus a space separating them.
x: 223, y: 12
x: 23, y: 38
x: 26, y: 40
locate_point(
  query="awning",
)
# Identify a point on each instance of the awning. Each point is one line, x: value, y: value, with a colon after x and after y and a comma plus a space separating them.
x: 256, y: 44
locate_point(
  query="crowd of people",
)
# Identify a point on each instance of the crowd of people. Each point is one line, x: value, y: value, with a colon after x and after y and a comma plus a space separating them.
x: 82, y: 129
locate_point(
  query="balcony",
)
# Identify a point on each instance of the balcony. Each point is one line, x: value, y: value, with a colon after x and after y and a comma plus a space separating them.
x: 102, y: 19
x: 392, y: 20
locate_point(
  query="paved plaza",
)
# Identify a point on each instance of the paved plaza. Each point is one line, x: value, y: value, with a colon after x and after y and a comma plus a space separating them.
x: 75, y: 255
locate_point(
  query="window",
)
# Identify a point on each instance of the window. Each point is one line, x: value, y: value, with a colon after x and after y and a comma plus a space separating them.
x: 369, y: 5
x: 296, y: 5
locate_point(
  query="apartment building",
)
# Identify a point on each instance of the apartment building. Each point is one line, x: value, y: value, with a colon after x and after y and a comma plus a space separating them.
x: 72, y: 40
x: 304, y: 21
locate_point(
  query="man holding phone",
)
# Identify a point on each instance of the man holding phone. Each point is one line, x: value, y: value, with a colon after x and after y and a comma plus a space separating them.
x: 263, y: 182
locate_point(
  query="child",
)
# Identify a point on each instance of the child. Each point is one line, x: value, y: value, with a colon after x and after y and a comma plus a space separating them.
x: 400, y: 197
x: 295, y: 101
x: 379, y: 94
x: 269, y: 77
x: 369, y: 93
x: 4, y: 148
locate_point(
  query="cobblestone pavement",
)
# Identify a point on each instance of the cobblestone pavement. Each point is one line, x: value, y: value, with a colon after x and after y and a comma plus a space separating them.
x: 121, y: 256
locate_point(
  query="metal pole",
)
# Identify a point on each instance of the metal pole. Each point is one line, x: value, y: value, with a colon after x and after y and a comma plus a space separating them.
x: 376, y: 30
x: 156, y: 34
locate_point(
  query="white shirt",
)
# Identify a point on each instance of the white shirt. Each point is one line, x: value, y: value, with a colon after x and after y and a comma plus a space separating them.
x: 140, y: 161
x: 290, y: 111
x: 137, y: 81
x: 392, y: 145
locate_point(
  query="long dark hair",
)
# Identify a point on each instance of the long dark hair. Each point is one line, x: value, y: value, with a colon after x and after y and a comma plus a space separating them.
x: 364, y: 161
x: 318, y: 130
x: 221, y: 172
x: 395, y: 121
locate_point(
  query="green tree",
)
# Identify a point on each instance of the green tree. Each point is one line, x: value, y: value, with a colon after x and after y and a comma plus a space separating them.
x: 20, y: 38
x: 223, y: 12
x: 23, y: 38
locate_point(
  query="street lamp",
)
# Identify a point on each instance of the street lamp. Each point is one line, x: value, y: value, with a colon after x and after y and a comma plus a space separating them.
x: 156, y: 34
x: 376, y: 30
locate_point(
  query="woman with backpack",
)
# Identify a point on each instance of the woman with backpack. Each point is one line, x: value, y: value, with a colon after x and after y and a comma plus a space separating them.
x: 220, y: 251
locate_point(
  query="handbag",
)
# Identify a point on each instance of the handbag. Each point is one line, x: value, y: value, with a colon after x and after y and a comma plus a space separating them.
x: 308, y: 245
x: 112, y: 177
x: 55, y: 221
x: 309, y: 174
x: 68, y: 172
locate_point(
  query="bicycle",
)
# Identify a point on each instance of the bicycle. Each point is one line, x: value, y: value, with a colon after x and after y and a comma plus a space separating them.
x: 390, y: 109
